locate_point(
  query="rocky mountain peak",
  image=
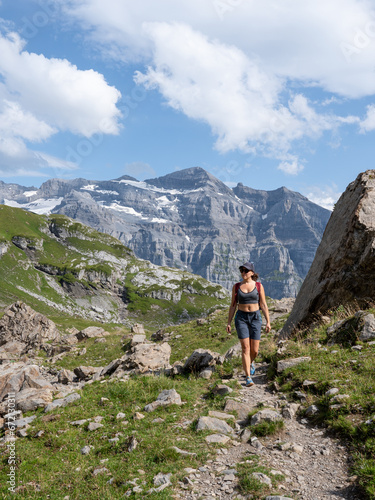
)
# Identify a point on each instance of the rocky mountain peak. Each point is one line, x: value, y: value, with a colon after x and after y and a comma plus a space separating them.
x: 190, y: 178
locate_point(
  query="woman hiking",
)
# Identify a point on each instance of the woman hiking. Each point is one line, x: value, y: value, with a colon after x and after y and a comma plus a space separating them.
x: 248, y: 295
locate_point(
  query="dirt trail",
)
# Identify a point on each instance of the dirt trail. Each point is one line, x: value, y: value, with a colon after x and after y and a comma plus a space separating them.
x: 315, y: 465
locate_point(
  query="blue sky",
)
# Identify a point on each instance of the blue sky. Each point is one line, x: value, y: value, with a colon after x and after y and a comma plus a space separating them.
x: 265, y: 93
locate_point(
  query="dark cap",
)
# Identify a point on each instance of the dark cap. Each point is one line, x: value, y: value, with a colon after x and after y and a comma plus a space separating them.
x: 249, y: 266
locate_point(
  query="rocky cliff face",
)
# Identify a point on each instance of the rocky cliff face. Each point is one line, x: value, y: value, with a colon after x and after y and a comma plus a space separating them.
x: 344, y: 266
x: 193, y: 221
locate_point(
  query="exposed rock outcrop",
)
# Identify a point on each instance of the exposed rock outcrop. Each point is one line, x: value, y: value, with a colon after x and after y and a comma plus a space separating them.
x: 22, y: 329
x: 343, y: 270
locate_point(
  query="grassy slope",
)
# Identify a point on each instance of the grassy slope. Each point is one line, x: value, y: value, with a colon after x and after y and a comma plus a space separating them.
x: 19, y: 280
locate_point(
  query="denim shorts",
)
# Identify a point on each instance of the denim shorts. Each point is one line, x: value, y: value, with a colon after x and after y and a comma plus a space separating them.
x: 248, y: 324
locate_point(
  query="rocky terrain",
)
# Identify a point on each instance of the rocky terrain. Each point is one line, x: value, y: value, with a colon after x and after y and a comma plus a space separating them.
x: 303, y: 459
x: 192, y: 221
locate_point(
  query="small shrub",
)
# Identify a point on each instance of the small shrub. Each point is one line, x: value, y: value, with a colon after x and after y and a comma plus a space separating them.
x: 268, y: 428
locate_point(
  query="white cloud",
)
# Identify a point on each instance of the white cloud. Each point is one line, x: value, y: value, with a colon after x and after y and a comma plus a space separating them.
x: 40, y: 97
x: 292, y: 167
x: 300, y: 41
x: 218, y: 84
x: 325, y: 196
x: 368, y: 123
x: 56, y: 91
x: 232, y: 68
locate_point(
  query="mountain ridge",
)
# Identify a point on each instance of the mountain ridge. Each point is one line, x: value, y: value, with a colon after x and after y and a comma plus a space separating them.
x: 191, y: 220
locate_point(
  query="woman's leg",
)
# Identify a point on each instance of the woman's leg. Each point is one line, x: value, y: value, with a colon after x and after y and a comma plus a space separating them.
x: 245, y: 345
x: 254, y: 349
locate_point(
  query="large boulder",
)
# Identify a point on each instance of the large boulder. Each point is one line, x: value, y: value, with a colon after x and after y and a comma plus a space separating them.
x: 15, y: 377
x: 145, y: 357
x: 201, y: 359
x: 30, y: 399
x: 343, y: 269
x: 21, y: 324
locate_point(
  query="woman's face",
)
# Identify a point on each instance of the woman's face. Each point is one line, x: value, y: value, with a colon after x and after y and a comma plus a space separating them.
x: 245, y: 273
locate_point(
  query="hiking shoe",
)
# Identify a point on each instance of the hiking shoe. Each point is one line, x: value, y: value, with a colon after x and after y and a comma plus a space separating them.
x: 249, y: 382
x: 252, y: 369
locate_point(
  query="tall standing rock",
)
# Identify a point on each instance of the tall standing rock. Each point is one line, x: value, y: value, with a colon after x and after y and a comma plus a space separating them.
x: 343, y: 271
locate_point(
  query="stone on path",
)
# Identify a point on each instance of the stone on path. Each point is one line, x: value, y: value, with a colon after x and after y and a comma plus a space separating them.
x: 213, y: 424
x: 219, y: 414
x: 217, y: 438
x: 265, y: 416
x: 262, y: 478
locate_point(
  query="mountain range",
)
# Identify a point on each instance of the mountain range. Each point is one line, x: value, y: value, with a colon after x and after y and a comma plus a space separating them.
x: 192, y: 221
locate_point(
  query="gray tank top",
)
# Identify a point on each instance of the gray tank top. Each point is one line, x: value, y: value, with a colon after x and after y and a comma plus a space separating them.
x: 248, y: 298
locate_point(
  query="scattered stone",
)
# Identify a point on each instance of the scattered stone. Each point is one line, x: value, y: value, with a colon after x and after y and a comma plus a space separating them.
x: 145, y: 357
x: 262, y: 478
x: 242, y: 409
x: 78, y: 422
x: 206, y: 374
x: 120, y: 415
x: 91, y: 332
x: 219, y: 414
x: 93, y: 426
x: 300, y: 395
x: 85, y: 450
x: 340, y: 397
x: 31, y: 399
x: 132, y: 444
x: 97, y: 471
x: 22, y: 422
x: 213, y: 424
x: 290, y: 411
x: 332, y: 392
x: 356, y: 348
x: 138, y: 328
x: 222, y: 390
x: 245, y: 435
x: 368, y: 330
x: 183, y: 452
x: 138, y: 339
x: 278, y: 498
x: 308, y: 383
x: 217, y: 438
x: 62, y: 402
x: 165, y: 398
x: 312, y: 410
x: 162, y: 481
x: 100, y: 341
x: 65, y: 376
x: 201, y: 359
x: 86, y: 372
x: 138, y: 416
x: 265, y: 416
x: 289, y: 363
x: 158, y: 420
x: 296, y: 448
